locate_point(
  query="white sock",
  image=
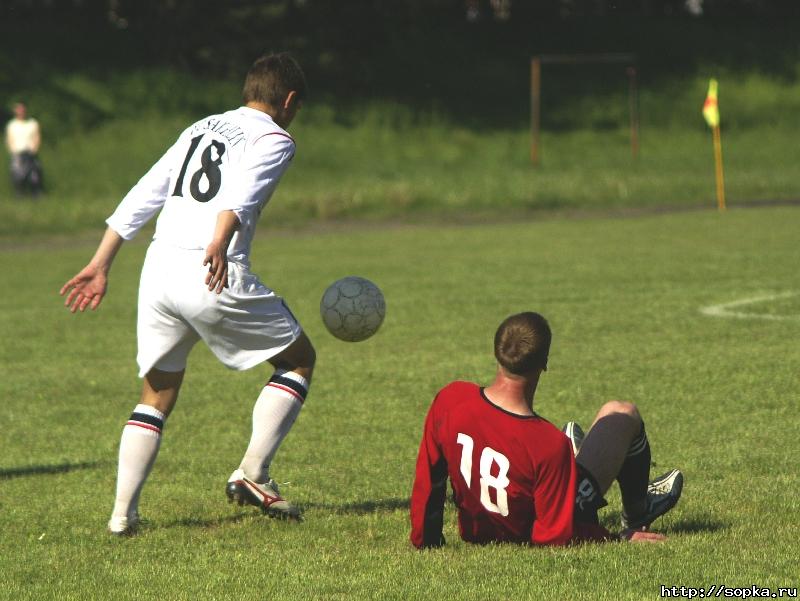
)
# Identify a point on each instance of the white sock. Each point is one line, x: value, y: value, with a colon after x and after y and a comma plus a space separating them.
x: 273, y: 415
x: 138, y: 447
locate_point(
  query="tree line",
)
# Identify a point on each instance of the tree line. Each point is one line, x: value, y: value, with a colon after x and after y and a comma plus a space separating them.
x: 126, y: 13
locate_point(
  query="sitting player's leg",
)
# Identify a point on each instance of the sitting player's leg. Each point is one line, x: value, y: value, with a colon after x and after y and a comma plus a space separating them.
x: 139, y: 445
x: 616, y: 447
x: 616, y: 431
x: 274, y: 413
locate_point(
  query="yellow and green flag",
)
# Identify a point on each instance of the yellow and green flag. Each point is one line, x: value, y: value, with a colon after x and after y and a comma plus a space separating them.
x: 710, y: 107
x: 711, y: 114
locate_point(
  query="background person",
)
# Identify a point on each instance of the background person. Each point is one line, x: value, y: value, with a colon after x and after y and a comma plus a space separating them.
x: 23, y: 139
x: 513, y: 474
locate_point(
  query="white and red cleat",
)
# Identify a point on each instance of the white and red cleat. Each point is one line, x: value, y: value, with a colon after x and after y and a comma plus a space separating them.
x: 265, y: 496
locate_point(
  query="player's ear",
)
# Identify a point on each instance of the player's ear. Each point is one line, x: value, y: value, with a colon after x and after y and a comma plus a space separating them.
x: 291, y: 99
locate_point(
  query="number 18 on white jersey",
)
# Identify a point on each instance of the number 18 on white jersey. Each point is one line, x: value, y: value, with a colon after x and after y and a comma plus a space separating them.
x: 232, y: 161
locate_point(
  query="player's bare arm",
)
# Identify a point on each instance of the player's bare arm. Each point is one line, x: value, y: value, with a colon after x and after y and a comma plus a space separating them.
x: 88, y: 287
x: 217, y: 252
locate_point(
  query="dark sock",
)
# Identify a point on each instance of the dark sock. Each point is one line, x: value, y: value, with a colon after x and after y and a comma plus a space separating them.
x: 634, y: 475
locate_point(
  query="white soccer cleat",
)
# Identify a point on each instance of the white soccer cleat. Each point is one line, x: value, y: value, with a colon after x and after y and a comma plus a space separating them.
x: 575, y: 434
x: 265, y: 496
x: 123, y: 525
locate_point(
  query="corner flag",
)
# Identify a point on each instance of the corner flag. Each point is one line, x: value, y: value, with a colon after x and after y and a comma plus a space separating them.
x: 710, y: 107
x: 711, y: 114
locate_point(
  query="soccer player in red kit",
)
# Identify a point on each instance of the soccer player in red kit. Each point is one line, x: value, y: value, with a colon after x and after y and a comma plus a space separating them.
x: 514, y: 475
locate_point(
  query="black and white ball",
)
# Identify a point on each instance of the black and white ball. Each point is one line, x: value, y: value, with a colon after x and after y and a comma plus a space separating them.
x: 352, y: 308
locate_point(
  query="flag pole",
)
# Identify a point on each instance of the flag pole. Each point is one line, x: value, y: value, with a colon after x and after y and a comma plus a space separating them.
x: 718, y: 168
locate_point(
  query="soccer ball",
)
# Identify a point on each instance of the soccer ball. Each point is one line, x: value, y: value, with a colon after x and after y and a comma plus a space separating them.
x: 352, y: 308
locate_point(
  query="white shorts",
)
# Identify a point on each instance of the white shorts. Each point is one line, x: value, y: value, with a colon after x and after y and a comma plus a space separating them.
x: 243, y: 326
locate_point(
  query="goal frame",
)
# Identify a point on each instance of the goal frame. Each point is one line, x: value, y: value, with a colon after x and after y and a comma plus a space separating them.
x: 629, y: 60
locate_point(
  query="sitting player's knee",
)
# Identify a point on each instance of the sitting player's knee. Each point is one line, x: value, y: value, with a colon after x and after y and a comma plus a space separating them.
x: 623, y: 407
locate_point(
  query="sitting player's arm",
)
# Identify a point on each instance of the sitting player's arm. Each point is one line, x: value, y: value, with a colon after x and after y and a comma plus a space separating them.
x: 587, y: 526
x: 588, y: 501
x: 554, y: 496
x: 428, y: 494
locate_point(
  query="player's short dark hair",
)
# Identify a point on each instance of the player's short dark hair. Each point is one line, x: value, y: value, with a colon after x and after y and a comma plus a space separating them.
x: 522, y: 343
x: 271, y: 78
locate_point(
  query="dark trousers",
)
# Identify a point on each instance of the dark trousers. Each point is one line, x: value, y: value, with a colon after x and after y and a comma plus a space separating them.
x: 26, y: 173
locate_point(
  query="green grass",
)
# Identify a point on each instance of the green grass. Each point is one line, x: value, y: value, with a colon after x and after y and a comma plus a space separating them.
x: 384, y: 160
x: 623, y: 296
x: 375, y: 170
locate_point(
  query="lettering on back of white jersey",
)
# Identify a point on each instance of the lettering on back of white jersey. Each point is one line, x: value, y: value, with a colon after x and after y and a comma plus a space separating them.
x: 232, y: 133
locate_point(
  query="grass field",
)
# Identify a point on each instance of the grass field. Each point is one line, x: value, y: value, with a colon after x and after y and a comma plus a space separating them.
x: 384, y: 160
x: 624, y: 298
x: 377, y: 171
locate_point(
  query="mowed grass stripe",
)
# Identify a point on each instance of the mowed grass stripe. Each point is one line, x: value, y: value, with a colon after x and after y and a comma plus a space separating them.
x: 623, y: 296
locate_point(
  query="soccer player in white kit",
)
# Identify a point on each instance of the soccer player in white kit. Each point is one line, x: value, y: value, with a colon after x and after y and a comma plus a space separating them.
x: 196, y: 283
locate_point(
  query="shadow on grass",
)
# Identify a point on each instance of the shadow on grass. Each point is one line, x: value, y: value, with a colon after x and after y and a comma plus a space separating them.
x: 37, y: 470
x: 693, y: 525
x: 690, y: 525
x: 210, y: 524
x: 362, y: 507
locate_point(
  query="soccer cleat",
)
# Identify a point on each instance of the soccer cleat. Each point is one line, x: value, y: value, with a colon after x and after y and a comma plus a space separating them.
x: 123, y: 526
x: 662, y: 495
x: 264, y: 496
x: 575, y: 434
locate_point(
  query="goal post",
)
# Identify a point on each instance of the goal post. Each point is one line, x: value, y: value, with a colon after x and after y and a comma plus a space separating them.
x: 629, y: 60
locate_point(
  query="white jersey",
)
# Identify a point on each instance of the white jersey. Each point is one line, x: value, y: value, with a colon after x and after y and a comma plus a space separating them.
x: 22, y: 135
x: 232, y: 161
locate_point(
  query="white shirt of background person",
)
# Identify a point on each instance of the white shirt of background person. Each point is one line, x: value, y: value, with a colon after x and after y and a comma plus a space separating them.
x: 22, y: 132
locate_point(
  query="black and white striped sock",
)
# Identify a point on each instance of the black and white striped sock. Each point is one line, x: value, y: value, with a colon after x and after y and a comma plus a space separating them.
x: 138, y: 448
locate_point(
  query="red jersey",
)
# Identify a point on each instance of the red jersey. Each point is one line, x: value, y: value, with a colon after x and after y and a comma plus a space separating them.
x: 513, y: 476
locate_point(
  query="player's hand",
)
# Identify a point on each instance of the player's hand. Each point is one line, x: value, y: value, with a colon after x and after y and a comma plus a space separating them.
x: 86, y: 289
x: 217, y: 260
x: 641, y: 536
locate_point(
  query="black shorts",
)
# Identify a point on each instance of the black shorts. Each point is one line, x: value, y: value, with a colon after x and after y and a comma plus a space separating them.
x: 587, y: 497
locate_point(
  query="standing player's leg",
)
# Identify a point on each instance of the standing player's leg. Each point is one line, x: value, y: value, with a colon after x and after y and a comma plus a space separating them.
x: 139, y: 445
x: 274, y: 413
